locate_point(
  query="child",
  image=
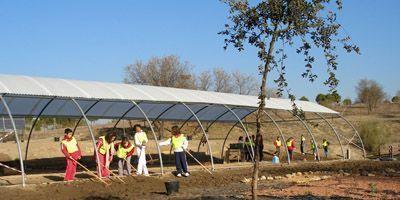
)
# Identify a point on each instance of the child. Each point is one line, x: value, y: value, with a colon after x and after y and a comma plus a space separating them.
x: 140, y: 142
x: 314, y: 149
x: 105, y: 150
x: 71, y: 150
x: 179, y: 145
x: 303, y: 140
x: 277, y: 145
x: 124, y: 152
x: 325, y: 145
x: 291, y: 147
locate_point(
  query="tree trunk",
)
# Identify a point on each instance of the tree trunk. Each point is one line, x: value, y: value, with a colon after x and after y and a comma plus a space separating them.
x: 260, y: 114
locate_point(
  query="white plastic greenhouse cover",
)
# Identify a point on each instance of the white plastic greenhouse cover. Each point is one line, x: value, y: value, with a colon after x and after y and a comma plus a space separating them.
x: 26, y: 96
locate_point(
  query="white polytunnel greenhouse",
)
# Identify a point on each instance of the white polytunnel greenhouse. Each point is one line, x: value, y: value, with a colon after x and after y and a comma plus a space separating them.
x: 25, y: 96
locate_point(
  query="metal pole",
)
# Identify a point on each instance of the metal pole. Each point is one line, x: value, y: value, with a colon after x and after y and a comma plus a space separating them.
x: 356, y: 132
x: 334, y: 130
x: 280, y: 132
x: 91, y: 134
x: 209, y: 126
x: 204, y: 132
x: 21, y: 162
x: 33, y: 126
x: 154, y: 135
x: 162, y: 113
x: 226, y: 137
x: 80, y: 119
x: 309, y: 132
x: 123, y: 115
x: 192, y: 116
x: 244, y: 128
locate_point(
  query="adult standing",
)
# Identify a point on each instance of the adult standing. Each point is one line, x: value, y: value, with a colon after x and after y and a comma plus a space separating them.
x: 260, y: 145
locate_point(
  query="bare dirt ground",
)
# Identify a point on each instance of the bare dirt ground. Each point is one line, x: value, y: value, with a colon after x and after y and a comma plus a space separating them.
x: 324, y: 180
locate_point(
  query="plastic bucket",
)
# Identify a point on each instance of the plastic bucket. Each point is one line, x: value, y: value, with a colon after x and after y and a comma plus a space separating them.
x: 171, y: 187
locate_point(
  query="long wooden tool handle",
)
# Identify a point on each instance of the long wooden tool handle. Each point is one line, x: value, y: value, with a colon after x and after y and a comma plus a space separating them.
x: 198, y: 162
x: 130, y: 164
x: 90, y: 172
x: 113, y: 174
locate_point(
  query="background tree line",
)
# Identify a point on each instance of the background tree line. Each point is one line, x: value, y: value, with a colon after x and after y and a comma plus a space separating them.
x: 170, y: 71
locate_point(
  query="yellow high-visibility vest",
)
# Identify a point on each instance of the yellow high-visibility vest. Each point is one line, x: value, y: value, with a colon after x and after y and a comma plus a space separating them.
x: 177, y: 142
x: 123, y: 152
x: 105, y: 147
x: 278, y: 143
x: 71, y: 145
x: 303, y: 138
x: 142, y: 138
x: 325, y: 144
x: 289, y: 143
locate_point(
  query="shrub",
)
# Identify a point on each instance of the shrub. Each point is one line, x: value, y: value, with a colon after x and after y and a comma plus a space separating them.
x: 346, y: 102
x: 396, y: 99
x: 374, y: 134
x: 303, y: 98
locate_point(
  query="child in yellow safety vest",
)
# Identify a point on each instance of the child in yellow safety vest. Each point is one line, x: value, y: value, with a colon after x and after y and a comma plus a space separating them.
x: 179, y: 145
x: 277, y: 145
x: 314, y: 149
x: 302, y: 143
x: 290, y: 146
x: 105, y: 151
x: 140, y: 143
x: 124, y: 153
x: 325, y: 145
x: 72, y: 152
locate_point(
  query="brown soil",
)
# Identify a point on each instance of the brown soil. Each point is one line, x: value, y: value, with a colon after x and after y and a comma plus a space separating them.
x: 226, y: 183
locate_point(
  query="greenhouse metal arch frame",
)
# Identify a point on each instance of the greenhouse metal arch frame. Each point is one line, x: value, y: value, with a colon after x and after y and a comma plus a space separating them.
x: 23, y: 96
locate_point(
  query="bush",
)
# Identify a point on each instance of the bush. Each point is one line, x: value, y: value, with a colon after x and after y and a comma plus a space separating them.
x: 303, y: 98
x: 374, y: 134
x: 396, y: 99
x: 346, y: 102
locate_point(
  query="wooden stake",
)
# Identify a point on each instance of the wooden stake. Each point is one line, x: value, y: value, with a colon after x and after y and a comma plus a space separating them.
x: 198, y: 161
x: 90, y: 172
x: 130, y: 165
x: 114, y: 174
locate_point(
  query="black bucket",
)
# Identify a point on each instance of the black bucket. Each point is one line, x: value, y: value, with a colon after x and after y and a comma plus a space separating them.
x: 172, y: 186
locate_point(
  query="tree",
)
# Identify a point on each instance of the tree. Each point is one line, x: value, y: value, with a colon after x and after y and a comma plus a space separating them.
x: 299, y: 24
x: 320, y: 98
x: 166, y: 71
x: 244, y: 83
x: 272, y: 93
x: 222, y: 81
x: 396, y: 99
x: 303, y: 98
x: 328, y: 99
x: 204, y: 81
x: 370, y: 93
x: 374, y: 134
x: 346, y: 102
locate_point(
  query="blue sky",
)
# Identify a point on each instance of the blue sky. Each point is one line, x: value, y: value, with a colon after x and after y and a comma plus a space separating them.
x: 94, y: 40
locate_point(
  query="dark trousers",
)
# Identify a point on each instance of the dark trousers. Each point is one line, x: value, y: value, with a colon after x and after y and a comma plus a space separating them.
x: 261, y: 153
x: 180, y: 162
x: 291, y: 154
x: 302, y: 147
